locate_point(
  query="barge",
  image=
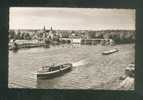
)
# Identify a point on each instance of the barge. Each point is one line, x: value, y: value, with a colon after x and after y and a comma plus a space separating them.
x: 110, y: 52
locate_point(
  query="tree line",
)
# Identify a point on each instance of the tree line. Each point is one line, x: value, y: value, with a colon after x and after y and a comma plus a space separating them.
x: 119, y: 36
x: 19, y: 35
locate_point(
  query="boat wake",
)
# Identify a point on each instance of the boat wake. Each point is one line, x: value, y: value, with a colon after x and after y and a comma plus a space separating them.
x: 80, y: 63
x: 32, y: 75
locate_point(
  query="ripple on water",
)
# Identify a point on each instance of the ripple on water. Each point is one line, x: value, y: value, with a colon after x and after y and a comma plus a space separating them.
x: 88, y: 65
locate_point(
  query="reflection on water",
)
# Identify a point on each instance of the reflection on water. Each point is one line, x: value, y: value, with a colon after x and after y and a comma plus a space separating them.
x: 87, y: 71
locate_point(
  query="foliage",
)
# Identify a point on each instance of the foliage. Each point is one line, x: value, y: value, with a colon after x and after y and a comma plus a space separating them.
x: 118, y: 36
x: 12, y: 34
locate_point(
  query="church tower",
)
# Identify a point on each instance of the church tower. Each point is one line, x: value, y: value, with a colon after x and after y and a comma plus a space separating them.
x: 44, y: 32
x: 51, y: 34
x: 51, y: 29
x: 44, y: 29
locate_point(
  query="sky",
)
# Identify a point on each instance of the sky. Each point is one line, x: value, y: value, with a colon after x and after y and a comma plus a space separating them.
x: 71, y: 18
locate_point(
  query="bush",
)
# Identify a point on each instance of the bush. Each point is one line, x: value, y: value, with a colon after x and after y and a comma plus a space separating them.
x: 121, y: 36
x: 12, y: 34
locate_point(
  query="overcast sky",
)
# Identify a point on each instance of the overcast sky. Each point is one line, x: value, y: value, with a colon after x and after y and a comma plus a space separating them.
x: 71, y: 18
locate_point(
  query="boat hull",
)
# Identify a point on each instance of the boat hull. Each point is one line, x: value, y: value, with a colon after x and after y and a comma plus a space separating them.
x: 110, y: 52
x: 53, y: 74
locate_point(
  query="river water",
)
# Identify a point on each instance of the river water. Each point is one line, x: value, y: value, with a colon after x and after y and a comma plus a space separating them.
x: 87, y: 71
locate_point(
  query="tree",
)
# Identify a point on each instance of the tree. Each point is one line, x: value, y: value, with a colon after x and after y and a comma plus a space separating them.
x: 27, y: 36
x: 18, y: 36
x: 91, y: 35
x: 12, y: 34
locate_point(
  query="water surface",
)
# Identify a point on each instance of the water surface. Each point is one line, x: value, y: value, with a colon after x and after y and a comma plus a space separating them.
x: 90, y: 67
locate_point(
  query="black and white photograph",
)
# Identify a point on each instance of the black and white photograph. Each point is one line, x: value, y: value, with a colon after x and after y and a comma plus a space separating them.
x: 71, y: 48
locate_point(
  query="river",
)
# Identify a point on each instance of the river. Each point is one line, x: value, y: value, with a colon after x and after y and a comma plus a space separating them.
x: 87, y: 71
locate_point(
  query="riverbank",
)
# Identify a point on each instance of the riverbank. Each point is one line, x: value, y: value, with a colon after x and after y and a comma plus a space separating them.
x: 27, y: 44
